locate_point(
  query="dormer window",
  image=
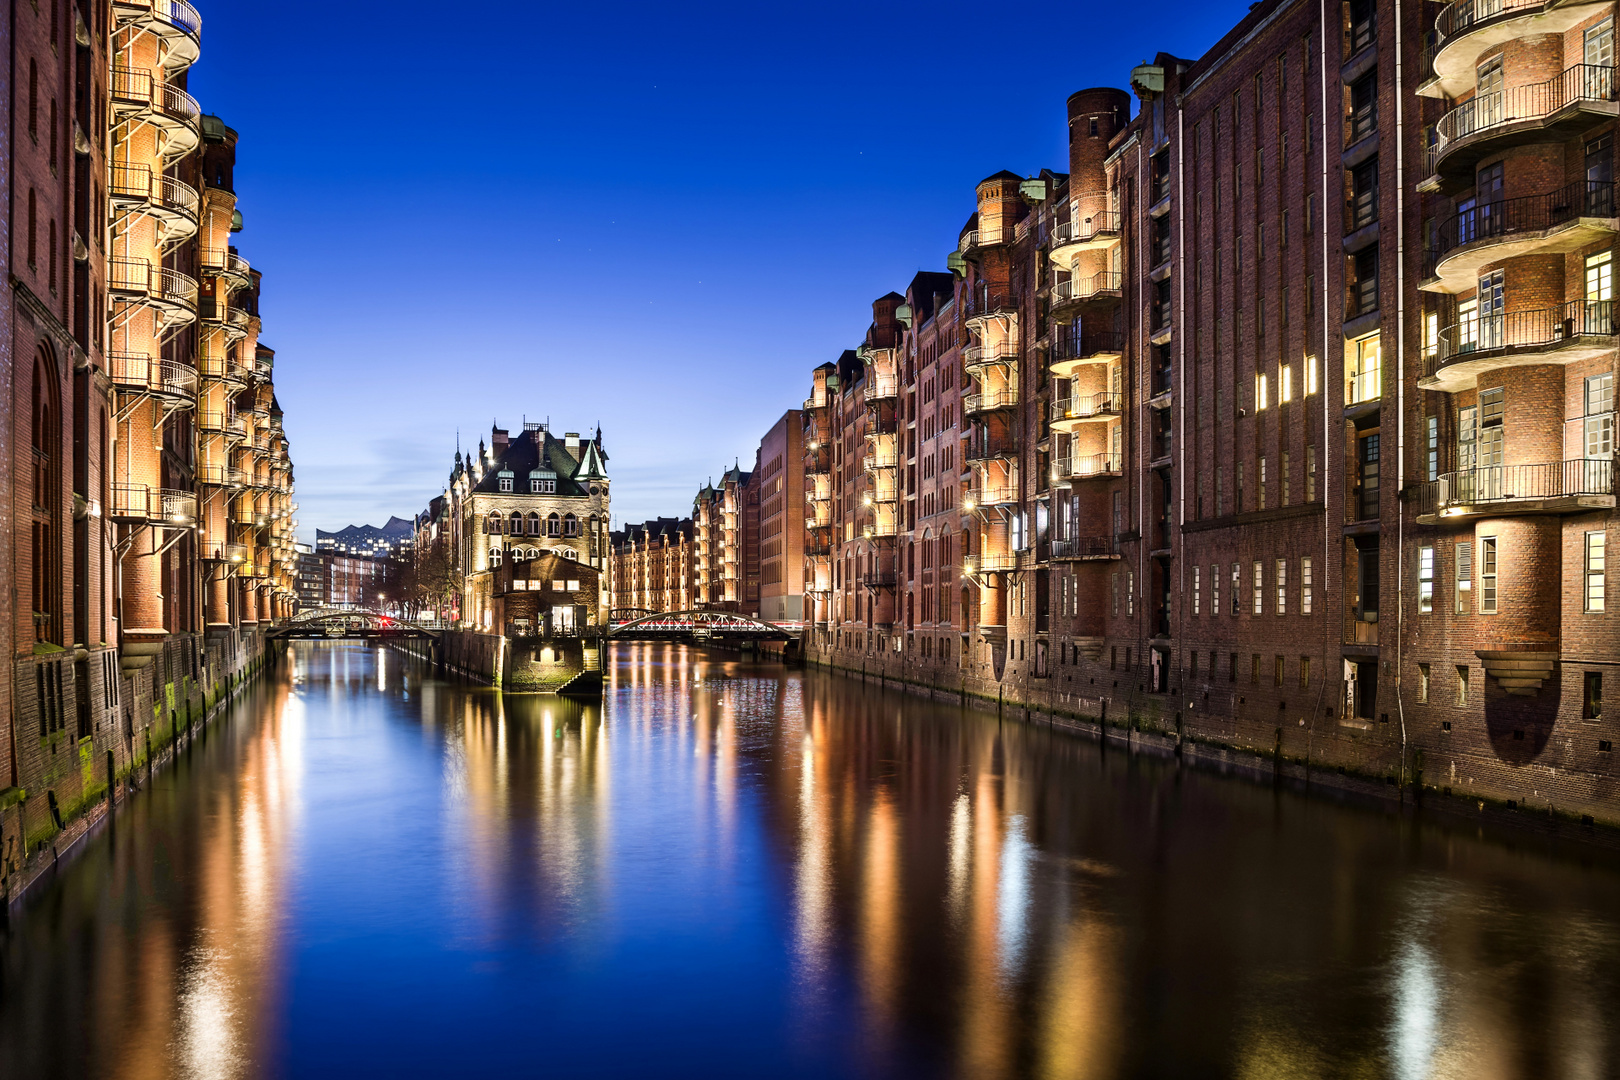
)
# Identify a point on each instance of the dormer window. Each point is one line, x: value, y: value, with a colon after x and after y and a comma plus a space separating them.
x: 542, y: 487
x: 506, y: 483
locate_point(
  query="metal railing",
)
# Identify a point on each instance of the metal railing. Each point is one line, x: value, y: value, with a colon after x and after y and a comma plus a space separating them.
x: 982, y: 446
x: 1505, y: 483
x: 1085, y: 547
x: 1525, y: 214
x: 1000, y: 495
x: 1522, y: 329
x: 875, y: 579
x: 1081, y: 466
x: 991, y: 564
x: 880, y: 387
x: 1463, y: 15
x: 138, y: 86
x: 986, y: 301
x: 1068, y: 345
x: 1536, y: 101
x: 988, y: 402
x: 1000, y: 352
x: 175, y: 13
x: 1076, y: 289
x: 1364, y: 386
x: 1085, y: 230
x: 1084, y: 408
x: 220, y: 475
x: 135, y: 183
x: 137, y: 371
x: 139, y: 502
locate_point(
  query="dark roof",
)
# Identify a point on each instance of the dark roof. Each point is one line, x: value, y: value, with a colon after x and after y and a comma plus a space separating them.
x: 1004, y: 174
x: 657, y: 529
x: 396, y: 529
x: 536, y: 451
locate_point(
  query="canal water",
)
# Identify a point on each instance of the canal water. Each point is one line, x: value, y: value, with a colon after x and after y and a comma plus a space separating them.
x: 732, y: 870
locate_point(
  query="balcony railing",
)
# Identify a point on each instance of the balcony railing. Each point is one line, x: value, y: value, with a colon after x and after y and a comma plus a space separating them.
x: 1455, y: 492
x: 1506, y: 218
x: 1087, y: 229
x: 878, y: 579
x: 139, y: 373
x: 1068, y: 345
x: 139, y: 92
x: 1097, y: 286
x: 134, y: 185
x: 1463, y: 15
x: 982, y: 446
x: 167, y: 506
x: 1082, y: 466
x: 881, y: 387
x: 990, y: 564
x: 1537, y: 101
x: 164, y: 17
x: 1086, y: 407
x: 998, y: 352
x: 1361, y: 387
x: 220, y: 476
x: 1085, y: 547
x: 1537, y: 328
x: 1005, y: 398
x: 985, y: 301
x: 1000, y: 495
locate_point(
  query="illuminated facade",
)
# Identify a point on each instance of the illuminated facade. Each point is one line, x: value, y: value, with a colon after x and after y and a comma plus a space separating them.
x: 1283, y: 417
x: 151, y: 528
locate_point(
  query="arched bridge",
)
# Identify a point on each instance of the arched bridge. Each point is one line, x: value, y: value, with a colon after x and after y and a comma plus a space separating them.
x: 350, y: 623
x: 721, y: 627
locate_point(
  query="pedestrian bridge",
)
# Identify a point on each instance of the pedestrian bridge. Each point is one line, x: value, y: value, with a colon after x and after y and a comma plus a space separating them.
x: 711, y: 627
x: 353, y: 624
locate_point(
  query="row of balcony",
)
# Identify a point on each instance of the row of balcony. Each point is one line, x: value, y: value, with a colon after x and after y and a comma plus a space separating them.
x: 1085, y: 547
x: 1480, y: 234
x: 175, y: 203
x: 141, y: 374
x: 1547, y: 487
x: 1071, y: 351
x: 1096, y: 231
x: 216, y: 311
x: 228, y: 265
x: 991, y: 401
x: 1104, y: 286
x: 985, y: 354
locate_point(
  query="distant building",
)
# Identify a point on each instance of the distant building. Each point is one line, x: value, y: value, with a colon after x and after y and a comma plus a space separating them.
x: 350, y: 581
x: 369, y: 540
x: 309, y: 582
x: 779, y: 491
x: 654, y: 566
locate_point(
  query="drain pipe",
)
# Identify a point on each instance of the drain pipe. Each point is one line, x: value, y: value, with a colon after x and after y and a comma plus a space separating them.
x: 1400, y: 399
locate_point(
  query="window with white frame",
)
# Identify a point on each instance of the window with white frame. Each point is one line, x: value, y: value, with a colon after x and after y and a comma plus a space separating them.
x: 1487, y: 575
x: 1426, y: 578
x: 1599, y: 420
x: 1197, y: 596
x: 1282, y: 586
x: 1215, y: 590
x: 506, y: 483
x: 1595, y: 545
x: 1463, y: 575
x: 1305, y: 586
x: 1259, y: 590
x: 1237, y: 581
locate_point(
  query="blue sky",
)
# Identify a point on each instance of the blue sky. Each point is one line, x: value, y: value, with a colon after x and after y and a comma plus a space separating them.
x: 656, y: 217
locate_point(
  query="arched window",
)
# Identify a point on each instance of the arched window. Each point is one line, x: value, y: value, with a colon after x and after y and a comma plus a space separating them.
x: 517, y: 523
x: 534, y: 523
x: 570, y: 525
x: 493, y: 525
x: 553, y: 525
x: 494, y: 557
x: 46, y: 441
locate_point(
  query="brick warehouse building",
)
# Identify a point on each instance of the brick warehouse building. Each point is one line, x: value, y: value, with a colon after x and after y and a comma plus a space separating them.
x: 1282, y: 420
x: 149, y: 526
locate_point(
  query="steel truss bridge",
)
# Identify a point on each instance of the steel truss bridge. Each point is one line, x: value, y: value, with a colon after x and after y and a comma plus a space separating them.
x: 349, y: 623
x: 720, y: 627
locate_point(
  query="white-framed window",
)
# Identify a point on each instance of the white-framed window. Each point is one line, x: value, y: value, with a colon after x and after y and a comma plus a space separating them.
x: 1237, y: 581
x: 1215, y: 590
x: 1600, y: 276
x: 543, y: 487
x: 1487, y: 575
x: 506, y: 483
x: 1426, y: 578
x: 1431, y: 439
x: 1596, y: 543
x: 1305, y: 586
x: 494, y: 557
x: 1197, y: 596
x: 1282, y: 586
x: 1310, y: 474
x: 1599, y: 421
x: 1114, y: 585
x: 1262, y: 481
x: 1130, y: 594
x: 1259, y: 590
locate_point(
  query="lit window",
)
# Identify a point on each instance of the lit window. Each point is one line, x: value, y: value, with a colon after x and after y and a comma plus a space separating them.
x: 1197, y: 591
x: 1426, y: 578
x: 1595, y: 542
x: 1423, y: 683
x: 1259, y: 590
x: 1599, y: 421
x: 1282, y: 587
x: 1286, y: 384
x: 1214, y: 594
x: 1260, y: 391
x: 1305, y: 584
x: 1600, y: 276
x: 1310, y: 375
x: 1462, y: 684
x: 1487, y: 575
x: 1463, y: 574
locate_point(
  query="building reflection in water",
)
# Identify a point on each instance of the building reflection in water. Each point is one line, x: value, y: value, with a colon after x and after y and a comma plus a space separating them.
x: 841, y: 880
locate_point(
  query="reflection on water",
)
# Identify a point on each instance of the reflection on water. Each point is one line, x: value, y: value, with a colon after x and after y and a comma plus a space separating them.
x: 728, y: 869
